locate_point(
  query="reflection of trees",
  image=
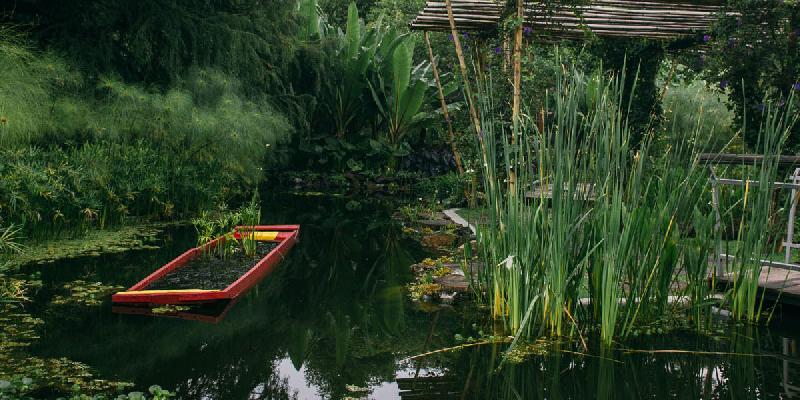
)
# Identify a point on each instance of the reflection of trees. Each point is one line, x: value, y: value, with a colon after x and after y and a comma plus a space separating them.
x: 335, y: 306
x: 350, y: 266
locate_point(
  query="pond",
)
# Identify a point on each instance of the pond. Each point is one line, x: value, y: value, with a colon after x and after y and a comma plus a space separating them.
x: 333, y: 321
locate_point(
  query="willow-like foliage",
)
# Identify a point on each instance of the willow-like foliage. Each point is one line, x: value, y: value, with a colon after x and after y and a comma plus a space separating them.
x: 158, y: 41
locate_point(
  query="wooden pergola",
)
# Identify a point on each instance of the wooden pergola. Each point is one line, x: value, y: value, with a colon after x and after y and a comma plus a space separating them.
x: 554, y: 19
x: 656, y: 19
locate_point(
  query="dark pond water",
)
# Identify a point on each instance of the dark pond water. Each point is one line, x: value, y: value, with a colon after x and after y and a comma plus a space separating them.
x: 333, y: 322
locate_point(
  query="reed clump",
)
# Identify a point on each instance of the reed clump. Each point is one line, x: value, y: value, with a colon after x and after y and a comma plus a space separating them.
x: 222, y: 223
x: 598, y: 235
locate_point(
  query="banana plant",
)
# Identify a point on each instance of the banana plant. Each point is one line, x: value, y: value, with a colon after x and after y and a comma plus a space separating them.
x: 400, y: 92
x: 312, y: 23
x: 356, y: 54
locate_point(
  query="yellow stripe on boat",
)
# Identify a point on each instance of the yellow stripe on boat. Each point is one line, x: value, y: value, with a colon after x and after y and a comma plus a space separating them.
x: 138, y: 292
x: 261, y: 236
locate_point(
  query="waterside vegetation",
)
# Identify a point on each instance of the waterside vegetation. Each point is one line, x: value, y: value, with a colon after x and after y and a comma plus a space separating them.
x: 579, y: 160
x: 598, y: 236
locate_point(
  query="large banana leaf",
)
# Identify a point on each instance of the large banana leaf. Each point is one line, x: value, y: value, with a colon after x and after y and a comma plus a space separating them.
x: 400, y: 67
x: 353, y: 35
x: 401, y: 91
x: 308, y: 14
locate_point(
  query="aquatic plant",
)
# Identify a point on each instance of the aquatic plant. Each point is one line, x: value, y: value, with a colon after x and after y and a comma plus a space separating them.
x: 83, y: 293
x: 597, y: 235
x: 10, y: 289
x: 220, y: 224
x: 250, y: 216
x: 758, y: 205
x: 9, y: 240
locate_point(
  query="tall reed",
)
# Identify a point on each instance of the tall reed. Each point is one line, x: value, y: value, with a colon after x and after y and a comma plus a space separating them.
x: 757, y: 214
x: 598, y: 234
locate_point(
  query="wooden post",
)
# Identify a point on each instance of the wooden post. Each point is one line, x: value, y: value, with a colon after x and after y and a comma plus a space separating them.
x: 789, y: 244
x: 451, y: 135
x: 516, y: 87
x: 517, y: 70
x: 717, y: 223
x: 463, y: 67
x: 462, y: 64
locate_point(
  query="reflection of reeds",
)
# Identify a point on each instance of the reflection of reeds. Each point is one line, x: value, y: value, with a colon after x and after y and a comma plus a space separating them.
x: 691, y: 366
x: 625, y: 228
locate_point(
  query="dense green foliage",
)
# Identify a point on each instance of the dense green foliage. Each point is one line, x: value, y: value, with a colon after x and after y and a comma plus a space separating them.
x: 754, y: 54
x: 367, y: 96
x: 156, y: 41
x: 682, y: 100
x: 80, y: 153
x: 639, y: 60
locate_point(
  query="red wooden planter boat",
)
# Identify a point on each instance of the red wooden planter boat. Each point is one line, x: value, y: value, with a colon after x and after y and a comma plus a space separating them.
x: 284, y: 235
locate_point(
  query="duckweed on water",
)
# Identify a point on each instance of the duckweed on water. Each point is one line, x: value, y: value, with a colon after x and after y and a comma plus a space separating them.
x: 35, y: 374
x: 94, y: 243
x: 84, y: 293
x: 19, y: 387
x: 169, y: 308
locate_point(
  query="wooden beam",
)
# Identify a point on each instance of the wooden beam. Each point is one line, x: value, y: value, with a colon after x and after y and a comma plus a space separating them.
x: 734, y: 159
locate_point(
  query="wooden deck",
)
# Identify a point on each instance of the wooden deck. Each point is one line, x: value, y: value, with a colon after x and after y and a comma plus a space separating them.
x: 779, y: 284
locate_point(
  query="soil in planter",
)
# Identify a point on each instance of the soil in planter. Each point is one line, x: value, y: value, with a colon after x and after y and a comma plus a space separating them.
x: 212, y: 272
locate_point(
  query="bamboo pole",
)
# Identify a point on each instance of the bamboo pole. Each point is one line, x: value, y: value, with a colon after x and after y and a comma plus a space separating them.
x: 462, y: 64
x: 463, y: 67
x: 516, y: 87
x: 451, y: 134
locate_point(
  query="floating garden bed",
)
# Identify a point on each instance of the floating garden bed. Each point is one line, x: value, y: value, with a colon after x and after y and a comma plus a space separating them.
x: 212, y: 272
x: 222, y: 269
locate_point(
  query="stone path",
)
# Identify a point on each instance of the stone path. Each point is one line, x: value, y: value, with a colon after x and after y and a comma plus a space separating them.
x: 457, y: 219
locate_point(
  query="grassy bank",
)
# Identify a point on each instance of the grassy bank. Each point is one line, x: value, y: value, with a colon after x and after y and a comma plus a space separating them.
x: 81, y: 152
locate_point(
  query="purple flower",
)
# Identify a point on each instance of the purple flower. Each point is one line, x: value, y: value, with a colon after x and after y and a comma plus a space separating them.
x: 450, y: 37
x: 706, y: 38
x: 527, y: 30
x: 465, y: 35
x: 498, y: 50
x: 796, y: 86
x: 723, y: 84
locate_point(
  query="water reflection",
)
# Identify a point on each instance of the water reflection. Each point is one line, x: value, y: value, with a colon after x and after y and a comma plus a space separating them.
x: 332, y: 321
x: 749, y: 365
x: 211, y: 312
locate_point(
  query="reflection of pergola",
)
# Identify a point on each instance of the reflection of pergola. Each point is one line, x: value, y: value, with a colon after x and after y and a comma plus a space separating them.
x: 658, y: 19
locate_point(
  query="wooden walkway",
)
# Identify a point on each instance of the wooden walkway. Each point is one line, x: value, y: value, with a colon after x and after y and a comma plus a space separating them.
x: 779, y: 284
